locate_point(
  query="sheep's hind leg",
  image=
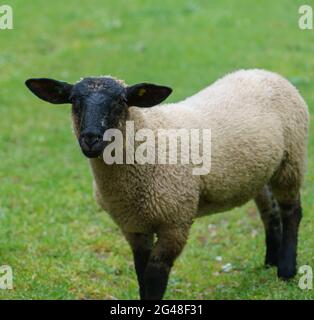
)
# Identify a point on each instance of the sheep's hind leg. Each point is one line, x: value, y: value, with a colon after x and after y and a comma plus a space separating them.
x: 291, y: 214
x: 141, y: 245
x: 168, y: 247
x: 270, y: 214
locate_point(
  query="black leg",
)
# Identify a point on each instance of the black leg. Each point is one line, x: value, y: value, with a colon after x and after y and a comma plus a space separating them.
x: 156, y: 279
x: 270, y: 214
x: 168, y: 247
x: 141, y: 245
x: 291, y: 214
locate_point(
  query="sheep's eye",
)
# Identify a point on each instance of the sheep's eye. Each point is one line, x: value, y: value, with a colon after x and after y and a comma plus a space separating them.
x: 122, y: 100
x: 119, y: 105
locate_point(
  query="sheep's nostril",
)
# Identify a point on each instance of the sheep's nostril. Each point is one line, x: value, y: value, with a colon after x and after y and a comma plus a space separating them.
x: 91, y: 139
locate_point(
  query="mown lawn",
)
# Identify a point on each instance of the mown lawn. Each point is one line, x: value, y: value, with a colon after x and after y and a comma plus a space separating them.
x: 58, y: 242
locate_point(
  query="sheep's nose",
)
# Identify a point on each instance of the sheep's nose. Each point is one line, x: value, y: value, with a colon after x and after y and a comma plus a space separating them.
x: 90, y: 138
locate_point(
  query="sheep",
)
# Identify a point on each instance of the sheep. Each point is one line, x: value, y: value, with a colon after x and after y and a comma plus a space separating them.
x: 259, y: 126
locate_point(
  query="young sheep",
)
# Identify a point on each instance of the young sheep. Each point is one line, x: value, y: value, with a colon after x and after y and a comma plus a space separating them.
x: 259, y: 125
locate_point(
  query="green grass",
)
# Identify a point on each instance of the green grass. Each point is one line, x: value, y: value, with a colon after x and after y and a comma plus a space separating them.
x: 58, y: 242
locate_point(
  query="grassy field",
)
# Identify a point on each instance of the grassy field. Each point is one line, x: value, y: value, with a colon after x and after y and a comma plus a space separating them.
x: 58, y: 242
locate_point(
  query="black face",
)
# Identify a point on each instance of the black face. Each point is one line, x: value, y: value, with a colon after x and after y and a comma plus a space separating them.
x: 98, y: 104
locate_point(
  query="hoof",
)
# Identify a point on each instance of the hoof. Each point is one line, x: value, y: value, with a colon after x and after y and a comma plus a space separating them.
x: 286, y: 273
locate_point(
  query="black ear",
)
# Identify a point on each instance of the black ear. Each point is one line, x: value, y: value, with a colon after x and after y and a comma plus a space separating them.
x: 50, y: 90
x: 146, y: 95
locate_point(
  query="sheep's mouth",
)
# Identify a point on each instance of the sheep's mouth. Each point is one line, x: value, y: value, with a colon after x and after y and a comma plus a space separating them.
x: 94, y: 151
x: 91, y: 153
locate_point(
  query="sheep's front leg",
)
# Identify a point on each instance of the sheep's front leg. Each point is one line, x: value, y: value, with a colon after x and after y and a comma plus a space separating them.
x: 141, y: 245
x: 167, y: 248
